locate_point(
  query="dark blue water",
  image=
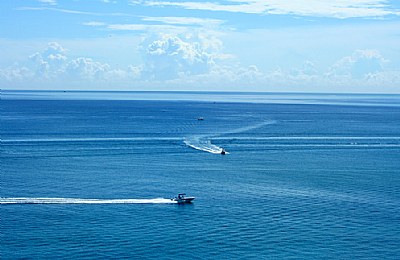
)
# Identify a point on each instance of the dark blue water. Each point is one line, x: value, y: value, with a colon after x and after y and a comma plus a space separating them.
x: 301, y: 181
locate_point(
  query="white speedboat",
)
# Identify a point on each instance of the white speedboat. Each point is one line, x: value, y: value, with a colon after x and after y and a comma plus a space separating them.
x: 181, y: 198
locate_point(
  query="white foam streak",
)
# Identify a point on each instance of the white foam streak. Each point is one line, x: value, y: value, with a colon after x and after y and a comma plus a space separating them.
x: 83, y: 201
x: 313, y: 138
x: 248, y: 128
x: 203, y: 143
x: 104, y: 139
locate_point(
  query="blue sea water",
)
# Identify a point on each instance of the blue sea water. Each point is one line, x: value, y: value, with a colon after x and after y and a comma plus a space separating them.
x: 306, y: 177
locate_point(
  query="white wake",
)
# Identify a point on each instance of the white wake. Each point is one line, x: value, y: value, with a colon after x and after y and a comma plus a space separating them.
x: 83, y: 201
x: 203, y: 142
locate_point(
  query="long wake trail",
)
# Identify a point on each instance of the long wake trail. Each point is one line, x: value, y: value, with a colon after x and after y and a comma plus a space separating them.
x: 203, y: 142
x: 84, y: 201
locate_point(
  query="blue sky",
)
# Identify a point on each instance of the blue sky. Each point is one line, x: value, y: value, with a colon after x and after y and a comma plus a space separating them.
x: 232, y: 45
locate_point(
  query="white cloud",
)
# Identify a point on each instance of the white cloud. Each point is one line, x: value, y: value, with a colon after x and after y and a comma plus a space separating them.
x: 308, y: 68
x: 142, y: 27
x: 40, y: 67
x: 54, y: 48
x: 94, y: 24
x: 69, y: 11
x: 307, y: 72
x: 50, y: 2
x: 162, y: 24
x: 15, y: 74
x: 86, y: 68
x: 318, y: 8
x: 362, y: 71
x: 360, y: 64
x: 52, y: 65
x: 47, y: 64
x: 172, y: 56
x: 184, y: 20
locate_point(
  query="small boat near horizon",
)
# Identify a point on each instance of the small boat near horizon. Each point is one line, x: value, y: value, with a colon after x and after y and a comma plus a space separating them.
x: 181, y: 198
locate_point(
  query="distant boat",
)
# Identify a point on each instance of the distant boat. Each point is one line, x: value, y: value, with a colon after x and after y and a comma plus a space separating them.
x: 181, y: 198
x: 200, y: 118
x: 223, y: 151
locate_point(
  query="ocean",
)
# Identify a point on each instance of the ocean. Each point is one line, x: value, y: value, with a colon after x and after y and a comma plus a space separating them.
x: 90, y: 175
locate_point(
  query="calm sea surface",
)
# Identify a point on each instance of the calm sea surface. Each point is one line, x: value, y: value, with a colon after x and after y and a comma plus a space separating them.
x: 306, y: 177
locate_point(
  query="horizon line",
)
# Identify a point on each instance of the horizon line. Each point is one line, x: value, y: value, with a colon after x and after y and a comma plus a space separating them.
x: 200, y: 91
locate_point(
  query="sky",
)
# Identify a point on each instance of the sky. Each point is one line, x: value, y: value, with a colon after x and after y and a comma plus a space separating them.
x: 326, y: 46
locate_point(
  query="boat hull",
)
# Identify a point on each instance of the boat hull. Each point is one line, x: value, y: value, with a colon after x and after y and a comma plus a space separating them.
x: 184, y: 200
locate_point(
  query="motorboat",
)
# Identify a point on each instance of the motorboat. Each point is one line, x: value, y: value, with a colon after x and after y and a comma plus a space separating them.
x: 223, y: 151
x: 181, y: 198
x: 200, y: 118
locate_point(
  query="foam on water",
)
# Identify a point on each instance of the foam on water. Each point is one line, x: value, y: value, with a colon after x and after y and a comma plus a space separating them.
x: 83, y: 201
x: 100, y: 139
x: 203, y: 142
x: 314, y: 138
x: 248, y: 128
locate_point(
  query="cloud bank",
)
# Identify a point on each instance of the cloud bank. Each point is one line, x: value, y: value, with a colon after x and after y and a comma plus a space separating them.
x: 53, y: 66
x: 197, y: 61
